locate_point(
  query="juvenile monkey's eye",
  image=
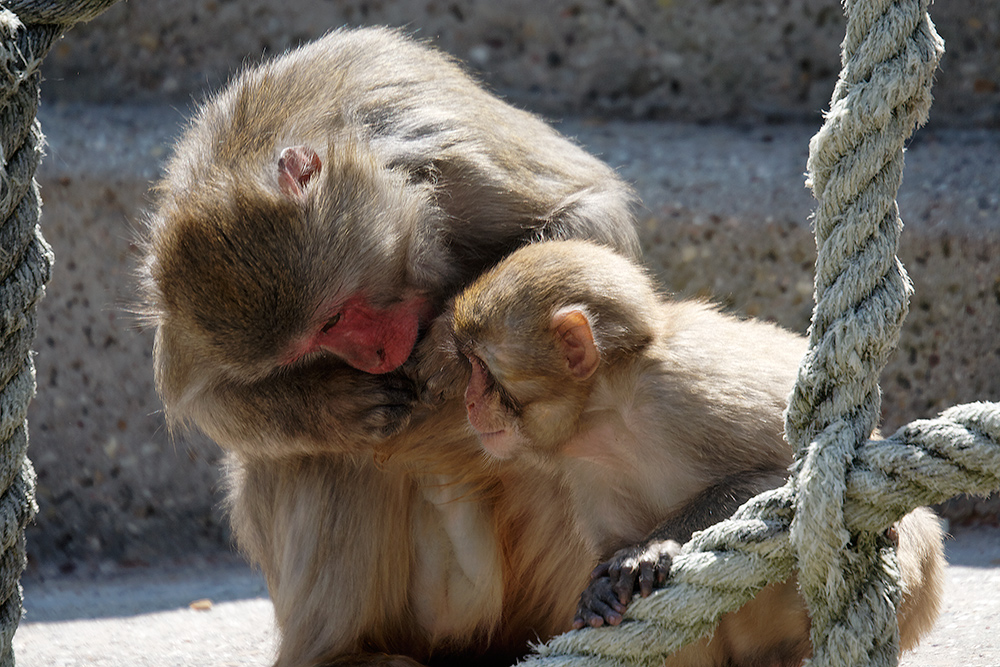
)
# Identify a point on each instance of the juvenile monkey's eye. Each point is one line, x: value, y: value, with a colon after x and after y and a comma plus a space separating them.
x: 493, y: 386
x: 331, y: 323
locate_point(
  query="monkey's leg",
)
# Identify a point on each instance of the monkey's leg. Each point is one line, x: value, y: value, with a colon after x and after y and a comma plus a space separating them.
x: 332, y: 538
x: 364, y: 562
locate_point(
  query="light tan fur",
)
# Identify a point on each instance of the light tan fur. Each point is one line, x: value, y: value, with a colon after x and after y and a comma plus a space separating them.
x: 661, y: 416
x: 365, y: 165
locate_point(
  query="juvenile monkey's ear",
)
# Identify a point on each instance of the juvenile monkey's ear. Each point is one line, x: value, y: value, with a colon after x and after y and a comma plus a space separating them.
x: 572, y: 329
x: 296, y: 166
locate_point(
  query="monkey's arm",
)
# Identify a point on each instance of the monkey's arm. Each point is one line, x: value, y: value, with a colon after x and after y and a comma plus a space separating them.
x: 645, y: 566
x: 716, y: 503
x: 326, y: 407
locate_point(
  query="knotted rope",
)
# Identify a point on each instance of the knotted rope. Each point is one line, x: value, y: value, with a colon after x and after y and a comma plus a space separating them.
x: 829, y: 520
x: 26, y: 35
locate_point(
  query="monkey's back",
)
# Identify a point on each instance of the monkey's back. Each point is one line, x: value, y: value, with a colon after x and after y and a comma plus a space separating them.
x: 736, y: 375
x: 409, y: 107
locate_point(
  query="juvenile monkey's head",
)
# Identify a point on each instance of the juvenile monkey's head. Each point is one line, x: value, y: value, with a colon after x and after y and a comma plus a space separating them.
x: 538, y: 329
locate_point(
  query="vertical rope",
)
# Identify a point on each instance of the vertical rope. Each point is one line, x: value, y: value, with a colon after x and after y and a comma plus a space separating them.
x: 25, y: 269
x: 849, y: 580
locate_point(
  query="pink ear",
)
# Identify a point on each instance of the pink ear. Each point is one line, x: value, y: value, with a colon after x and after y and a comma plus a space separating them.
x: 572, y: 329
x: 296, y: 166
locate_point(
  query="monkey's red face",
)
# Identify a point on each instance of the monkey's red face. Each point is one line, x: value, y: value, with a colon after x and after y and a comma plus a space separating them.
x: 370, y: 339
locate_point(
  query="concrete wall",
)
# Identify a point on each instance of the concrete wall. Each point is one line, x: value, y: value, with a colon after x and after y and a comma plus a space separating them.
x: 738, y: 60
x: 726, y: 213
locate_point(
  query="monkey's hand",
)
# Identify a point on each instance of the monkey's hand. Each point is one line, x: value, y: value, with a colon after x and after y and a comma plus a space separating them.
x: 438, y: 370
x: 384, y: 408
x: 641, y: 567
x: 323, y: 407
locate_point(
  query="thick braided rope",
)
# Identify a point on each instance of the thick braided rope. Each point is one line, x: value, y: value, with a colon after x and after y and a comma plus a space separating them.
x: 25, y: 267
x: 850, y: 580
x: 843, y: 485
x: 924, y: 462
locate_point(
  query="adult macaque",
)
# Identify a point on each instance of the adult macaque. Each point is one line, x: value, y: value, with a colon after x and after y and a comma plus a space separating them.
x: 313, y: 219
x: 661, y: 417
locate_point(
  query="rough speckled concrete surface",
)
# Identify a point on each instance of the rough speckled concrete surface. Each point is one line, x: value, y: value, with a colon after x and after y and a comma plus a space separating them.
x: 741, y: 60
x: 111, y: 484
x: 726, y: 217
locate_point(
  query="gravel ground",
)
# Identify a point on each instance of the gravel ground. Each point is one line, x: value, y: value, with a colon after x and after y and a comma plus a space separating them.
x: 146, y: 618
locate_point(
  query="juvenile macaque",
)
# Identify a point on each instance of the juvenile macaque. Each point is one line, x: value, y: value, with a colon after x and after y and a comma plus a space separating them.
x: 314, y: 218
x: 661, y: 417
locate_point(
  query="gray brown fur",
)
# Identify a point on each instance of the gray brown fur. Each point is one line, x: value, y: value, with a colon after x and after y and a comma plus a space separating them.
x: 379, y: 526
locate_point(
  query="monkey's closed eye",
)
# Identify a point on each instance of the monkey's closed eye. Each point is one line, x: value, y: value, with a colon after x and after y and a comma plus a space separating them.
x: 331, y: 323
x: 493, y: 386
